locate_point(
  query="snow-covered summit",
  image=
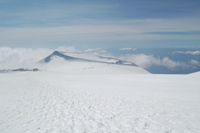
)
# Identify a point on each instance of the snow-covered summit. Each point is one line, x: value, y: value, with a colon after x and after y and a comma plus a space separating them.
x: 88, y: 63
x: 85, y: 57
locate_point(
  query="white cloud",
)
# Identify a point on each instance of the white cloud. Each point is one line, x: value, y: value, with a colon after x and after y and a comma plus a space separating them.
x: 147, y: 61
x: 93, y: 50
x: 188, y: 52
x: 127, y: 49
x: 194, y: 63
x: 21, y: 57
x: 171, y: 64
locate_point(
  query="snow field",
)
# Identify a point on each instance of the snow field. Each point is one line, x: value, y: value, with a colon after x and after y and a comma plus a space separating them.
x: 59, y: 102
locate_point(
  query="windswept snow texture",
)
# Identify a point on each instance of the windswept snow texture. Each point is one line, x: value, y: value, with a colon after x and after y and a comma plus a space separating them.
x: 61, y: 102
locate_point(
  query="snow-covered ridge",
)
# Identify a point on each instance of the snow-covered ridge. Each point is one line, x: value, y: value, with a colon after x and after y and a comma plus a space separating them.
x: 85, y: 57
x: 84, y: 63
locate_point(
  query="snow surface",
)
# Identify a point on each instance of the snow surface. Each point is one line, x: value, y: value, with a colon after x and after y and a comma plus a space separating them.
x: 57, y: 101
x: 92, y: 97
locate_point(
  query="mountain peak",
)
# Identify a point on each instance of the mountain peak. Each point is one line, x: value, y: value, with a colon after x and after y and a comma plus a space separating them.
x: 58, y: 54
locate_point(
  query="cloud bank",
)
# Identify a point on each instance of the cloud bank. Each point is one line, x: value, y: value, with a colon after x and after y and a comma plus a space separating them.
x: 188, y: 52
x: 21, y: 57
x: 147, y: 61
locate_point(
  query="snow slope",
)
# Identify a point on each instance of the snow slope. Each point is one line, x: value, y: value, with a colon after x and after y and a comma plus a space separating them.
x: 57, y: 101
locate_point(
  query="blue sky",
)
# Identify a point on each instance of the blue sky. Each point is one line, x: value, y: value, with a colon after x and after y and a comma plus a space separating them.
x: 105, y: 23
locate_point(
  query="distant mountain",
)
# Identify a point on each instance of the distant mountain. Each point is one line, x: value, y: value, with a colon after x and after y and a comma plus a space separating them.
x: 87, y: 63
x: 99, y: 59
